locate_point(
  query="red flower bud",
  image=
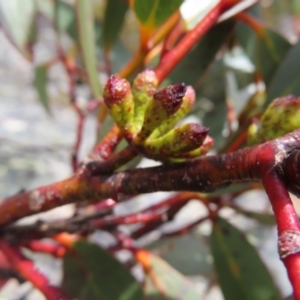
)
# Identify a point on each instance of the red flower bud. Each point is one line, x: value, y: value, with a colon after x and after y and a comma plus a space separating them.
x: 115, y: 90
x: 170, y: 97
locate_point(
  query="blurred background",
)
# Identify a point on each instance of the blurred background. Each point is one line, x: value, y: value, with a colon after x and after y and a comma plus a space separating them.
x: 36, y: 140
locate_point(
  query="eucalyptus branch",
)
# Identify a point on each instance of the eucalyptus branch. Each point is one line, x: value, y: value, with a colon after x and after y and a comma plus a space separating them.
x: 113, y: 163
x: 206, y: 174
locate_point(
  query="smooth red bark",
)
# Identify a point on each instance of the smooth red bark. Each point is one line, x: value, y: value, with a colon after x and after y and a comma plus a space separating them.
x: 28, y: 270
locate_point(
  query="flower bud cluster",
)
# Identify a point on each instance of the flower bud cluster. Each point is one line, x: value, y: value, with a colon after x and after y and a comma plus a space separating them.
x: 147, y: 116
x: 281, y: 117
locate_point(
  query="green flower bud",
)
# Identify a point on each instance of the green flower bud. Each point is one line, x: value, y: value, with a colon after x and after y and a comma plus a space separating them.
x: 252, y: 108
x: 119, y: 100
x: 187, y: 103
x: 202, y: 150
x: 163, y: 104
x: 143, y: 88
x: 253, y: 129
x: 182, y: 139
x: 281, y: 117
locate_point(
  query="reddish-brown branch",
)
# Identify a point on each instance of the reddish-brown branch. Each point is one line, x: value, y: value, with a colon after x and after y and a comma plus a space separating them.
x: 153, y: 216
x: 185, y: 228
x: 104, y: 149
x: 71, y: 70
x: 252, y: 22
x: 205, y: 174
x: 113, y: 163
x: 174, y: 203
x: 238, y: 141
x: 101, y: 160
x: 45, y: 247
x: 174, y: 35
x: 288, y: 228
x: 113, y: 221
x: 78, y: 139
x: 28, y: 270
x: 174, y: 56
x: 72, y: 225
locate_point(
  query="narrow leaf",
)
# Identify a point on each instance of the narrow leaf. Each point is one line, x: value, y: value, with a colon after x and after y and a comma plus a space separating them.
x: 266, y: 51
x: 40, y: 83
x: 113, y: 21
x: 65, y: 18
x: 91, y: 273
x: 263, y: 218
x: 17, y: 18
x: 86, y: 28
x: 61, y: 14
x: 287, y: 77
x: 152, y: 13
x: 164, y: 282
x: 195, y: 64
x: 241, y: 273
x: 189, y: 254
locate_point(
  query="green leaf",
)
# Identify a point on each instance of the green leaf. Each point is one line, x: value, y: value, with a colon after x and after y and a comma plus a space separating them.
x: 241, y: 273
x: 287, y: 77
x: 17, y: 18
x: 211, y: 105
x: 189, y: 253
x: 46, y: 7
x: 266, y: 51
x: 263, y: 218
x: 197, y: 61
x: 65, y: 18
x: 113, y: 21
x: 152, y: 13
x: 40, y: 83
x: 91, y: 273
x: 86, y: 28
x: 61, y: 14
x: 164, y: 282
x: 120, y: 55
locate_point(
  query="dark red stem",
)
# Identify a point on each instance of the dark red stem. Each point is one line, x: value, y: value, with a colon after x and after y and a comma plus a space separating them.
x: 113, y: 163
x: 104, y: 149
x: 288, y: 228
x: 45, y: 247
x: 28, y: 270
x: 174, y: 56
x: 70, y: 68
x: 174, y: 203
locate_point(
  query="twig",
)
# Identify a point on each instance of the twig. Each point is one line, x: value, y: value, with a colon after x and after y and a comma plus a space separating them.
x: 80, y: 224
x: 104, y: 149
x: 28, y: 270
x: 113, y: 163
x: 175, y: 203
x: 45, y: 247
x: 185, y: 228
x: 70, y: 68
